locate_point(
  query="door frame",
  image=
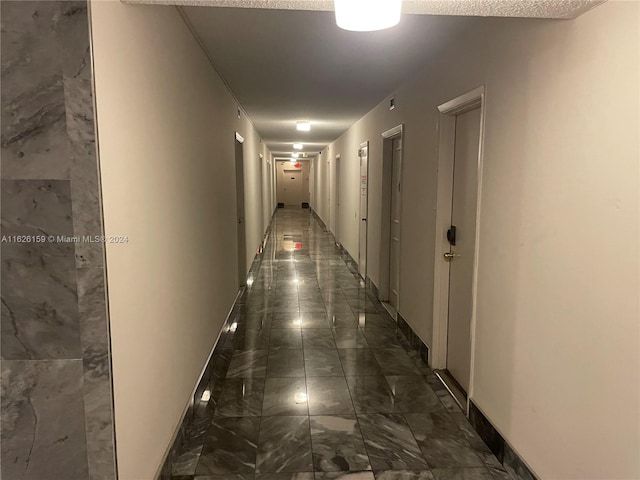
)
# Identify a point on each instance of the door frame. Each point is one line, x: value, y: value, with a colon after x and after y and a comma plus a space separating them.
x: 263, y: 179
x: 336, y: 199
x: 363, y: 274
x: 384, y: 289
x: 242, y: 256
x: 446, y: 150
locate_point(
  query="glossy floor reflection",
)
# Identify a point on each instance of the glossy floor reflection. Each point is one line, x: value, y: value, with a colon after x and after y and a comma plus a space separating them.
x: 314, y: 380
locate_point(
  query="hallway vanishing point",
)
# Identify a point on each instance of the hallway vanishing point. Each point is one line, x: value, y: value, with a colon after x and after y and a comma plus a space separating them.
x: 312, y: 379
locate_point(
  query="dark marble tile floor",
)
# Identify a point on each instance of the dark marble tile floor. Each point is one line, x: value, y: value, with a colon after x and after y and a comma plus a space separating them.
x: 315, y: 381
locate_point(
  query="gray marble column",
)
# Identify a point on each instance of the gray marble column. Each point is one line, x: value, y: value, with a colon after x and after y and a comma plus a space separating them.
x: 56, y: 400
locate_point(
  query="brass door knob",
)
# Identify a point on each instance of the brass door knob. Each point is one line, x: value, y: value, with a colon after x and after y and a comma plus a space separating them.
x: 450, y: 256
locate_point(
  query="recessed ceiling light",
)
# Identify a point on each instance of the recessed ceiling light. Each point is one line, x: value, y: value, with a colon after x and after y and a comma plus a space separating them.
x: 297, y: 146
x: 367, y: 15
x: 303, y: 126
x: 295, y: 155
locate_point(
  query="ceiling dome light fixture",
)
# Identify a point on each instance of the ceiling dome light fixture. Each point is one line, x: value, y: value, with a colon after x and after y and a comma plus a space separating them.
x: 367, y: 15
x: 297, y: 146
x: 303, y: 126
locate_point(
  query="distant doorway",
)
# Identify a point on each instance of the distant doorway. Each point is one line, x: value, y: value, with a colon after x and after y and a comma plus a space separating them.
x: 293, y: 183
x: 292, y: 187
x: 241, y: 232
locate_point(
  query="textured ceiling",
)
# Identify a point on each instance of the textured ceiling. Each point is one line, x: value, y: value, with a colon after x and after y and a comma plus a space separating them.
x: 287, y: 61
x: 482, y: 8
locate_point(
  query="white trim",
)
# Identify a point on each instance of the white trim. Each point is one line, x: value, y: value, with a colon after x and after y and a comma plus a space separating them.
x: 239, y: 138
x: 446, y: 145
x: 392, y: 132
x: 463, y: 103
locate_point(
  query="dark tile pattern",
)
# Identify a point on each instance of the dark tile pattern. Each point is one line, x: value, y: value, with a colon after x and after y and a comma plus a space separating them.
x: 248, y: 363
x: 322, y: 363
x: 504, y: 458
x: 230, y: 446
x: 337, y: 444
x: 241, y: 397
x: 422, y: 349
x: 372, y: 395
x: 285, y: 396
x: 363, y: 475
x: 55, y: 331
x: 336, y: 389
x: 404, y: 475
x: 413, y: 395
x: 358, y: 362
x: 328, y: 395
x: 284, y: 445
x: 486, y: 431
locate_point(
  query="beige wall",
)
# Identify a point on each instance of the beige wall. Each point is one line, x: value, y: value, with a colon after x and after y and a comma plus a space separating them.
x: 557, y: 339
x: 320, y: 199
x: 166, y: 128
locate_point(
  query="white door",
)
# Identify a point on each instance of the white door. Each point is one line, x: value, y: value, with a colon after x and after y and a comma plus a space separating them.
x: 242, y: 242
x: 363, y: 153
x: 394, y: 230
x: 292, y: 187
x: 337, y: 199
x: 462, y: 248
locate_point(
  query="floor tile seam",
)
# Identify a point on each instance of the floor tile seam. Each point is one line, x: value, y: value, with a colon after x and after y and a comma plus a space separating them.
x: 353, y: 405
x: 306, y: 386
x: 412, y: 435
x: 276, y: 231
x: 264, y: 391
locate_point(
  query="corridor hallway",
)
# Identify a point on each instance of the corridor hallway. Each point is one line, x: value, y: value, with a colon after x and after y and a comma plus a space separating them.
x: 312, y: 375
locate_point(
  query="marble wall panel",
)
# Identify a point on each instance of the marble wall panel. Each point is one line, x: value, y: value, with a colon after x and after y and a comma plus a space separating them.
x: 55, y: 329
x: 33, y: 133
x: 39, y: 298
x: 43, y: 431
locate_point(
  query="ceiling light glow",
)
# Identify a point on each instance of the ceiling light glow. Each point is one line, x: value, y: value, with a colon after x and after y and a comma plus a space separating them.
x: 303, y: 126
x: 367, y: 15
x: 297, y: 146
x: 295, y: 155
